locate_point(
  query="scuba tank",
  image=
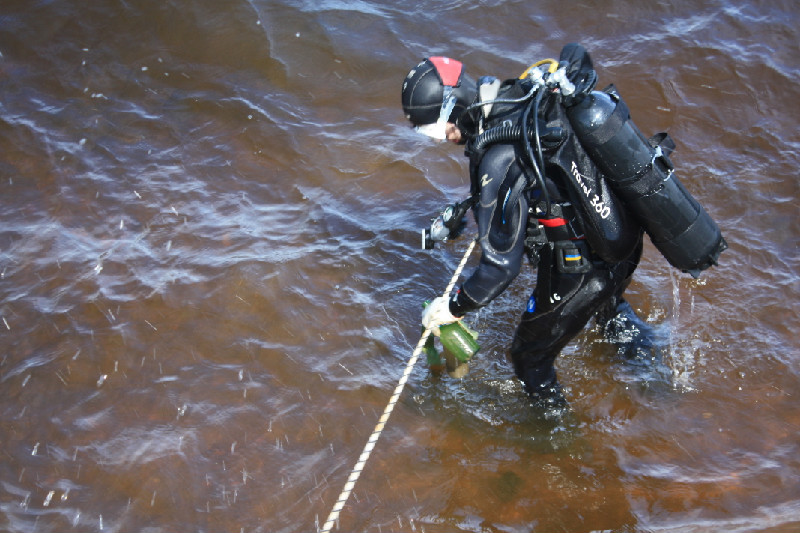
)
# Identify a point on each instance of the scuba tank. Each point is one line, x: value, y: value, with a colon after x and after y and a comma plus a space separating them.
x: 641, y: 174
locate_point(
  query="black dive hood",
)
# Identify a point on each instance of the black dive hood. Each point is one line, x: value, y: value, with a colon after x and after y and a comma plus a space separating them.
x: 424, y: 90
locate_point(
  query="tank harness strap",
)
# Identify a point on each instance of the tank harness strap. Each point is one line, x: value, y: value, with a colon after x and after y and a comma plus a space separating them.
x: 554, y: 240
x: 651, y: 178
x: 558, y: 226
x: 664, y: 141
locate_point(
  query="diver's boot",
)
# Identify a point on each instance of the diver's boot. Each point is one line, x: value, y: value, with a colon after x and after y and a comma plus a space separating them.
x: 633, y: 337
x: 543, y: 388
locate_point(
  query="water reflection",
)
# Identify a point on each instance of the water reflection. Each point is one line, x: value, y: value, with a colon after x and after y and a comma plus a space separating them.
x: 210, y: 276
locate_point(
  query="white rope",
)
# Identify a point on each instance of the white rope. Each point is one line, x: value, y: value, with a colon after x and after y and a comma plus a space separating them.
x: 387, y: 412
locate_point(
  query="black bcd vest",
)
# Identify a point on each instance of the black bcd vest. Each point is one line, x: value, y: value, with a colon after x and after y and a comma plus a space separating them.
x: 611, y: 232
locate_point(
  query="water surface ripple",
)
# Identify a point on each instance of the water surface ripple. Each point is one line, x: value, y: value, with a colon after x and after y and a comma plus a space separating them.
x: 210, y: 279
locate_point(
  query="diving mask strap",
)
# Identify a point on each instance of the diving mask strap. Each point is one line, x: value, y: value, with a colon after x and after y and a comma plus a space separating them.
x: 437, y: 129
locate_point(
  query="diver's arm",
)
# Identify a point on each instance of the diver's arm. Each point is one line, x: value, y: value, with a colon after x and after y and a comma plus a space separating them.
x: 501, y: 214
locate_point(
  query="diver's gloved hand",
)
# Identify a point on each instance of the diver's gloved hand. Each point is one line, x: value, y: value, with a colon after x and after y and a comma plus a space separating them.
x: 457, y: 221
x: 437, y: 313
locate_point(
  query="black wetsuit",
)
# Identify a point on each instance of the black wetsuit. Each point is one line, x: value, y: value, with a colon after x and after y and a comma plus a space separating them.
x: 566, y: 297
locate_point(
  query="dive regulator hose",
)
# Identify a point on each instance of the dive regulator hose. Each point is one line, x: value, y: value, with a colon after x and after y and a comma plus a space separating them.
x: 536, y: 160
x: 522, y: 132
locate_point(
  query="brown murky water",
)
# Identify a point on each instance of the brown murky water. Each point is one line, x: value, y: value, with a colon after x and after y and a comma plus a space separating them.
x: 210, y: 279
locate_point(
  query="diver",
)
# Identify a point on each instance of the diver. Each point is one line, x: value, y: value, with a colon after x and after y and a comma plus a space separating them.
x: 561, y: 175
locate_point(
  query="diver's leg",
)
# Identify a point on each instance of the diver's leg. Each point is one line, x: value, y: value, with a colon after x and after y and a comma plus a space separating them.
x: 618, y: 321
x: 564, y: 303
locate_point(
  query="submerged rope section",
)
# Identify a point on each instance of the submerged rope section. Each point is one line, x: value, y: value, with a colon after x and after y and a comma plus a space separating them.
x: 387, y: 412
